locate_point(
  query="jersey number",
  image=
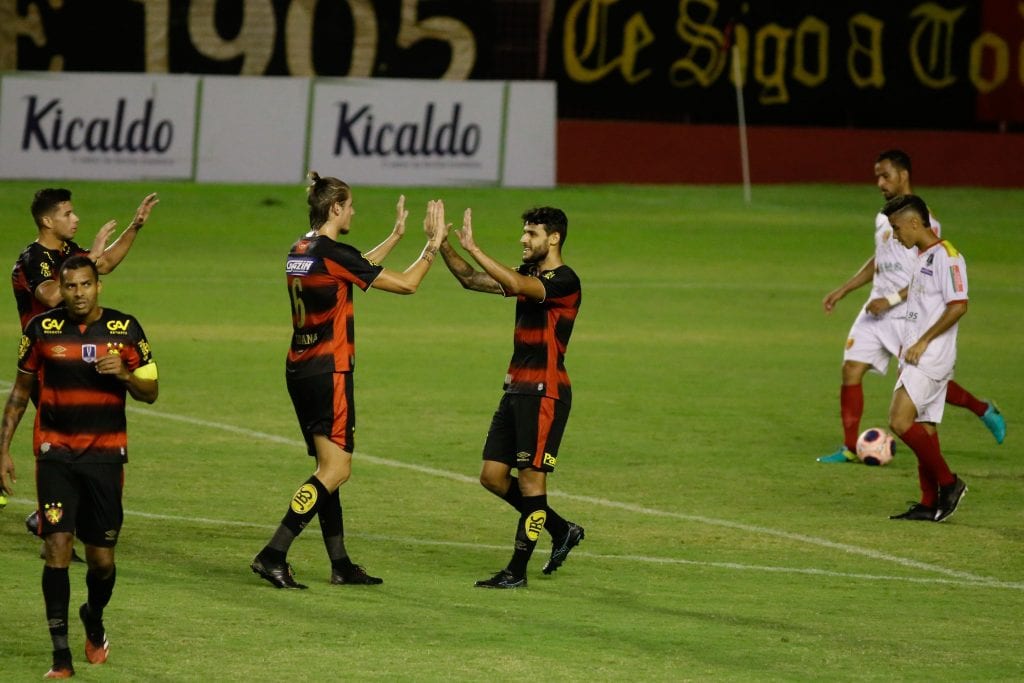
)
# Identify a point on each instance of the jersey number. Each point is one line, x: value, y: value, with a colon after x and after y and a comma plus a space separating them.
x: 298, y: 307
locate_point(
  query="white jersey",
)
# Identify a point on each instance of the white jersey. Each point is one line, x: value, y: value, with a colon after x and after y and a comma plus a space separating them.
x: 894, y: 263
x: 939, y: 278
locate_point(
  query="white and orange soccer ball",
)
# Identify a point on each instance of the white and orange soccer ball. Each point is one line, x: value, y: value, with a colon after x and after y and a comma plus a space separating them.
x: 875, y: 446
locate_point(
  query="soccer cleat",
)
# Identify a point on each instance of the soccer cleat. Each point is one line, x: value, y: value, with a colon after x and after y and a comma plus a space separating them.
x: 560, y: 550
x: 842, y: 454
x: 503, y: 579
x: 32, y: 523
x: 97, y: 647
x: 355, y: 575
x: 918, y: 513
x: 279, y: 575
x: 993, y: 419
x: 60, y: 671
x: 949, y: 499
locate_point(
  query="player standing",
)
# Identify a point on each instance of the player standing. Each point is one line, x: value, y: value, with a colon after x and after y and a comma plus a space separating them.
x: 320, y: 272
x: 83, y: 360
x: 936, y: 300
x: 527, y: 427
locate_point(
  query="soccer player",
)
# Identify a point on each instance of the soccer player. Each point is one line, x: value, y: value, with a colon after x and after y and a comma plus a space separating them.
x: 875, y: 335
x: 936, y: 300
x: 34, y: 278
x: 84, y: 360
x: 320, y: 273
x: 527, y: 427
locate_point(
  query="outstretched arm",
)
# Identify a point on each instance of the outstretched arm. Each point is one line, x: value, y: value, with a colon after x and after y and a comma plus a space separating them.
x: 380, y: 252
x: 511, y: 282
x: 468, y: 277
x: 115, y: 253
x: 409, y: 280
x: 15, y: 408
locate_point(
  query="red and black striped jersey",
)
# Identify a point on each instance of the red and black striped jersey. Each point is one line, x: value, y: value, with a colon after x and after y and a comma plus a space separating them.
x: 320, y: 275
x: 34, y: 266
x: 80, y: 412
x: 542, y: 335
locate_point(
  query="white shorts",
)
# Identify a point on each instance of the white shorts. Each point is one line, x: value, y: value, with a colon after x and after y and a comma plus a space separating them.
x: 927, y: 394
x: 874, y: 340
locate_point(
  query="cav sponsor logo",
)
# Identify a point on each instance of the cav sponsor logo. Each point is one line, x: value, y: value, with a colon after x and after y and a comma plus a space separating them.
x: 118, y: 326
x: 304, y: 499
x: 89, y: 353
x: 299, y: 266
x: 550, y: 460
x: 53, y: 512
x: 534, y: 524
x: 51, y: 326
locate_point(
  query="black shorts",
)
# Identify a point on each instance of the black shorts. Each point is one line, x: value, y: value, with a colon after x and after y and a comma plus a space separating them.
x: 526, y: 431
x: 81, y: 497
x: 324, y: 405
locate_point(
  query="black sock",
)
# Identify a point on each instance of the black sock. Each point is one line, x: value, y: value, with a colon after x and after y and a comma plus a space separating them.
x: 527, y: 532
x: 100, y: 590
x: 57, y: 596
x: 332, y: 528
x: 555, y: 524
x: 303, y: 508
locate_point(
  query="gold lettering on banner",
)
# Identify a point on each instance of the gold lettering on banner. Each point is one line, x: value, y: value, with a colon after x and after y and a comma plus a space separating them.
x: 448, y: 30
x: 865, y: 42
x: 706, y: 56
x: 1000, y: 62
x: 157, y: 15
x: 298, y: 38
x: 773, y: 79
x: 254, y: 42
x: 12, y: 26
x: 636, y: 35
x: 811, y: 28
x: 931, y: 45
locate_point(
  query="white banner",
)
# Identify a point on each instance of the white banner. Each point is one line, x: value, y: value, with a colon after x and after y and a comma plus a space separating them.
x: 407, y: 132
x: 102, y: 126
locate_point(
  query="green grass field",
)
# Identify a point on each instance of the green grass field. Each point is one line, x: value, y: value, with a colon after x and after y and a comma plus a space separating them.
x: 706, y: 381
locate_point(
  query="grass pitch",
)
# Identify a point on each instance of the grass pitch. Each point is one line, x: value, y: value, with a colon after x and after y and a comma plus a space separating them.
x: 706, y: 381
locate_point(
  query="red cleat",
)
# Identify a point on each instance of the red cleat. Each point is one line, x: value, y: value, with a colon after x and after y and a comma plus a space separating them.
x: 62, y: 671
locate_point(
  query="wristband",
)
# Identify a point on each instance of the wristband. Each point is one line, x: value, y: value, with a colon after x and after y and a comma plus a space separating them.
x: 894, y: 299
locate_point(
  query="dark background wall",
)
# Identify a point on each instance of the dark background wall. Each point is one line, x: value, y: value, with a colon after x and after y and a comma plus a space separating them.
x: 647, y: 90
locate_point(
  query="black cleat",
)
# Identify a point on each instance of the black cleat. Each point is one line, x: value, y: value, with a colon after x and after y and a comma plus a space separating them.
x: 560, y: 549
x: 917, y: 512
x: 503, y: 579
x: 279, y: 575
x: 949, y: 498
x: 354, y: 575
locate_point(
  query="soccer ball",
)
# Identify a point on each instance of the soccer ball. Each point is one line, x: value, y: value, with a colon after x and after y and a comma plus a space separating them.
x: 876, y: 446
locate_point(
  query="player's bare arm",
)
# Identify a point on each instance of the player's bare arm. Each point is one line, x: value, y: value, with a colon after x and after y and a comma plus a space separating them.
x: 510, y: 281
x: 112, y: 256
x: 468, y: 276
x: 863, y: 276
x: 409, y: 280
x: 954, y: 311
x: 48, y: 293
x: 17, y: 402
x: 380, y: 252
x: 103, y: 235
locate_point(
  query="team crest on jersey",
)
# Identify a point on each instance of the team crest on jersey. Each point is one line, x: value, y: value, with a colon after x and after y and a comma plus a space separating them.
x: 89, y: 353
x: 53, y: 512
x: 886, y: 235
x: 849, y: 343
x: 299, y: 265
x: 928, y: 261
x: 114, y: 348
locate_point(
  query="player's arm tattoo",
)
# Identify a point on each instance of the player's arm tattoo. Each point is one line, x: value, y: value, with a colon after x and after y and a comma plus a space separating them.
x: 468, y: 277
